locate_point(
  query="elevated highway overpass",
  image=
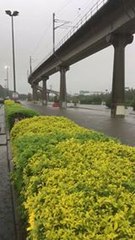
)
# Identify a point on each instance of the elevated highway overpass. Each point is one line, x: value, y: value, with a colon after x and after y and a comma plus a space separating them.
x: 112, y: 24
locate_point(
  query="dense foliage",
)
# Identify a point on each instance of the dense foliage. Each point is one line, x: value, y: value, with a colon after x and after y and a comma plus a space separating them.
x: 73, y: 183
x: 91, y: 99
x: 15, y: 112
x: 106, y: 98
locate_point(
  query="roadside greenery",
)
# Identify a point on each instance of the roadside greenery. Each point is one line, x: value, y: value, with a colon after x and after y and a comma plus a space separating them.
x: 16, y: 112
x: 73, y: 183
x: 105, y: 98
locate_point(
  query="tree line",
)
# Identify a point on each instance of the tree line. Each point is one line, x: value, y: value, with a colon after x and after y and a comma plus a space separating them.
x: 105, y: 98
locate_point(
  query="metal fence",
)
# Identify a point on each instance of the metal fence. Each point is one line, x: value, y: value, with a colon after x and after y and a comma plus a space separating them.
x: 95, y: 8
x: 82, y: 21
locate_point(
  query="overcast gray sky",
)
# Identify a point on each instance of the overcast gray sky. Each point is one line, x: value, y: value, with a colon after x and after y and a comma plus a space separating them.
x: 33, y: 37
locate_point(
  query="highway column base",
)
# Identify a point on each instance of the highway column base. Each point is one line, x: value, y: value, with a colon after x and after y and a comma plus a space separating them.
x: 44, y: 92
x: 119, y: 42
x: 34, y: 92
x: 63, y: 95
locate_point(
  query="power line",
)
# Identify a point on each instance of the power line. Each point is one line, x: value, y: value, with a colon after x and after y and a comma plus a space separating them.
x: 46, y: 30
x: 47, y: 34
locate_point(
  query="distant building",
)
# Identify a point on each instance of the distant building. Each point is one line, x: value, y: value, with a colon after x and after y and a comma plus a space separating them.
x: 87, y: 93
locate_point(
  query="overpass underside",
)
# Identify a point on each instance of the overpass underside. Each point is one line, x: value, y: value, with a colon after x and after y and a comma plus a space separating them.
x: 113, y: 24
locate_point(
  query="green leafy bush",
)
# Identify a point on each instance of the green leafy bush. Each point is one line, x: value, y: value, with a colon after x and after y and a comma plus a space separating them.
x: 52, y: 125
x: 73, y: 183
x: 44, y: 133
x: 80, y: 191
x: 16, y: 112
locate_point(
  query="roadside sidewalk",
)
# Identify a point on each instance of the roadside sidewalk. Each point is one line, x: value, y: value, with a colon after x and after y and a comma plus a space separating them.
x: 7, y: 217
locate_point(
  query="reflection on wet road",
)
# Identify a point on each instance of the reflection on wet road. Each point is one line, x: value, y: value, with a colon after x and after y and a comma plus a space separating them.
x: 97, y: 118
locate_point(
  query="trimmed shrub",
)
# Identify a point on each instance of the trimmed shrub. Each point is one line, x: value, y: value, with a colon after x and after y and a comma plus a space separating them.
x: 73, y: 183
x: 52, y: 125
x: 16, y: 112
x: 80, y: 191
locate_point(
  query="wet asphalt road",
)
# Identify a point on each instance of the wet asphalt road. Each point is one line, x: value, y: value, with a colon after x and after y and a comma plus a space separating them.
x: 98, y: 119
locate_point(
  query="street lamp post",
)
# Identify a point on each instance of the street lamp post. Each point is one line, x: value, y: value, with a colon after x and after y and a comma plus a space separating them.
x: 14, y: 14
x: 7, y: 73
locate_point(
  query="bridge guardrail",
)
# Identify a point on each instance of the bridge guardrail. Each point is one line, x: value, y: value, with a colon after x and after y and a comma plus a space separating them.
x: 95, y: 8
x: 82, y: 21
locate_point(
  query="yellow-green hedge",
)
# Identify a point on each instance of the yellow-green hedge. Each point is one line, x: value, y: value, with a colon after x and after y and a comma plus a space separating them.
x: 46, y: 125
x: 43, y: 133
x: 73, y: 186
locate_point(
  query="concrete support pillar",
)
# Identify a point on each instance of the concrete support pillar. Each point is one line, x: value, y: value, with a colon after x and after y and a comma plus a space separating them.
x: 119, y: 42
x: 34, y: 92
x: 63, y: 95
x: 44, y: 92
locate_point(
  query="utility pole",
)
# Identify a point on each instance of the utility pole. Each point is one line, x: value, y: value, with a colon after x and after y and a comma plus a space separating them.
x: 30, y: 65
x: 53, y: 32
x: 61, y: 23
